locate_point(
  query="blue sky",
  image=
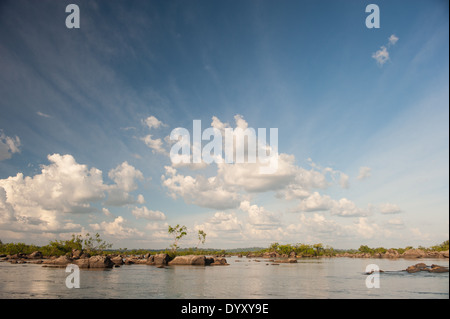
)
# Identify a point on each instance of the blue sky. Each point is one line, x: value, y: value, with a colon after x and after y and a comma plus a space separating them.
x: 363, y: 142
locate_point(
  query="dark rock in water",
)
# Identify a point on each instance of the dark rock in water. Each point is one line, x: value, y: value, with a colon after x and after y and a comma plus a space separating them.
x: 423, y: 267
x: 188, y: 260
x: 159, y: 259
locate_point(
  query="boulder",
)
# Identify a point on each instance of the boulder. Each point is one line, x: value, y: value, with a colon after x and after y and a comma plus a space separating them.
x: 36, y: 255
x: 220, y: 261
x: 117, y: 260
x: 414, y: 253
x: 76, y: 253
x: 438, y: 269
x: 59, y: 261
x: 391, y: 253
x: 189, y: 260
x: 444, y: 254
x: 287, y: 261
x: 94, y: 262
x: 100, y: 262
x: 159, y: 259
x: 82, y: 262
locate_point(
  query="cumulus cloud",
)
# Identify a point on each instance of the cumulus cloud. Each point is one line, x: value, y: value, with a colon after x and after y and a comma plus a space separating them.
x: 259, y: 217
x: 156, y: 145
x: 201, y: 191
x: 388, y: 208
x: 47, y: 201
x: 382, y: 55
x: 153, y: 122
x: 342, y: 207
x: 393, y: 39
x: 364, y: 172
x: 144, y: 212
x: 8, y: 146
x: 117, y: 229
x: 125, y: 177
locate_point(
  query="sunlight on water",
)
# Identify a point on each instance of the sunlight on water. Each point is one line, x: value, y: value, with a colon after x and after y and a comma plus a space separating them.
x: 309, y: 278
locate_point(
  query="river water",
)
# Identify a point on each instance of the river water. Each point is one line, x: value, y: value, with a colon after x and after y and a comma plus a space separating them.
x: 242, y: 279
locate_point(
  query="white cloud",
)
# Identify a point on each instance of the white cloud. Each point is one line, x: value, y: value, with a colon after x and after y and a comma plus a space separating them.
x: 47, y: 201
x: 140, y: 199
x: 259, y: 217
x: 117, y: 229
x: 315, y: 202
x: 124, y: 176
x: 153, y: 122
x: 381, y: 56
x: 201, y: 191
x: 347, y: 208
x: 388, y: 208
x: 393, y: 39
x: 144, y: 212
x: 364, y: 172
x: 8, y: 146
x: 43, y: 114
x: 155, y: 144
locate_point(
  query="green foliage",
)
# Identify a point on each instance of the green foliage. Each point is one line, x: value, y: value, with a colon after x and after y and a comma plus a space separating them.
x: 201, y: 237
x: 178, y: 232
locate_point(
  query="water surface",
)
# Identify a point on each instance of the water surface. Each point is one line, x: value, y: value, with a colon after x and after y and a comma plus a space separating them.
x: 242, y: 279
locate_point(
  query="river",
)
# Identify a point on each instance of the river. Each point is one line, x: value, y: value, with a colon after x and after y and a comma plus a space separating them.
x: 244, y: 278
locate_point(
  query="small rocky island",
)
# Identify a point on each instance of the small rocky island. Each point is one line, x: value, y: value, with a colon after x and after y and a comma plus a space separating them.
x: 84, y: 260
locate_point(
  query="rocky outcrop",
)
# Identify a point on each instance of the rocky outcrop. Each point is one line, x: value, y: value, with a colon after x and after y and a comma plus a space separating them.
x: 414, y: 253
x: 117, y: 260
x: 287, y: 261
x: 94, y: 262
x: 59, y: 261
x: 35, y: 255
x: 158, y: 260
x: 188, y: 260
x: 219, y: 261
x: 76, y: 253
x: 391, y: 253
x: 423, y: 267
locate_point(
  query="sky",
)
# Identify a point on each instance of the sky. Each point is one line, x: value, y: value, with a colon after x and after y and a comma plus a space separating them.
x: 362, y: 115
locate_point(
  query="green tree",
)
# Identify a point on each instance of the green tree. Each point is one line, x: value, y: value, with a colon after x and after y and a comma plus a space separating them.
x: 201, y: 237
x: 94, y: 245
x: 178, y: 232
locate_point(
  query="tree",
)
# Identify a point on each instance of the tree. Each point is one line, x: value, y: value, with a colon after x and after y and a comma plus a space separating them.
x: 178, y: 232
x: 201, y: 237
x: 95, y: 245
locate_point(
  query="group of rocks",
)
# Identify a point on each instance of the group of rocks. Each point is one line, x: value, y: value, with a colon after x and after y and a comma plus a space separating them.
x: 392, y: 253
x: 423, y: 267
x: 84, y: 260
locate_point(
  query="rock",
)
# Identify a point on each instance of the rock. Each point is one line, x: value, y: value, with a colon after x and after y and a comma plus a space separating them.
x: 391, y: 253
x: 412, y: 269
x: 76, y: 253
x: 423, y: 267
x: 188, y: 260
x: 239, y: 255
x: 85, y: 255
x: 438, y: 269
x: 414, y: 253
x: 100, y: 262
x: 444, y: 254
x: 82, y: 262
x: 94, y: 262
x: 287, y: 261
x: 292, y: 254
x: 220, y: 261
x: 159, y: 259
x: 117, y: 260
x: 36, y: 255
x: 60, y: 261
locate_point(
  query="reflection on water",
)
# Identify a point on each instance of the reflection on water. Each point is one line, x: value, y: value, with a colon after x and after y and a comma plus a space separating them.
x: 309, y: 278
